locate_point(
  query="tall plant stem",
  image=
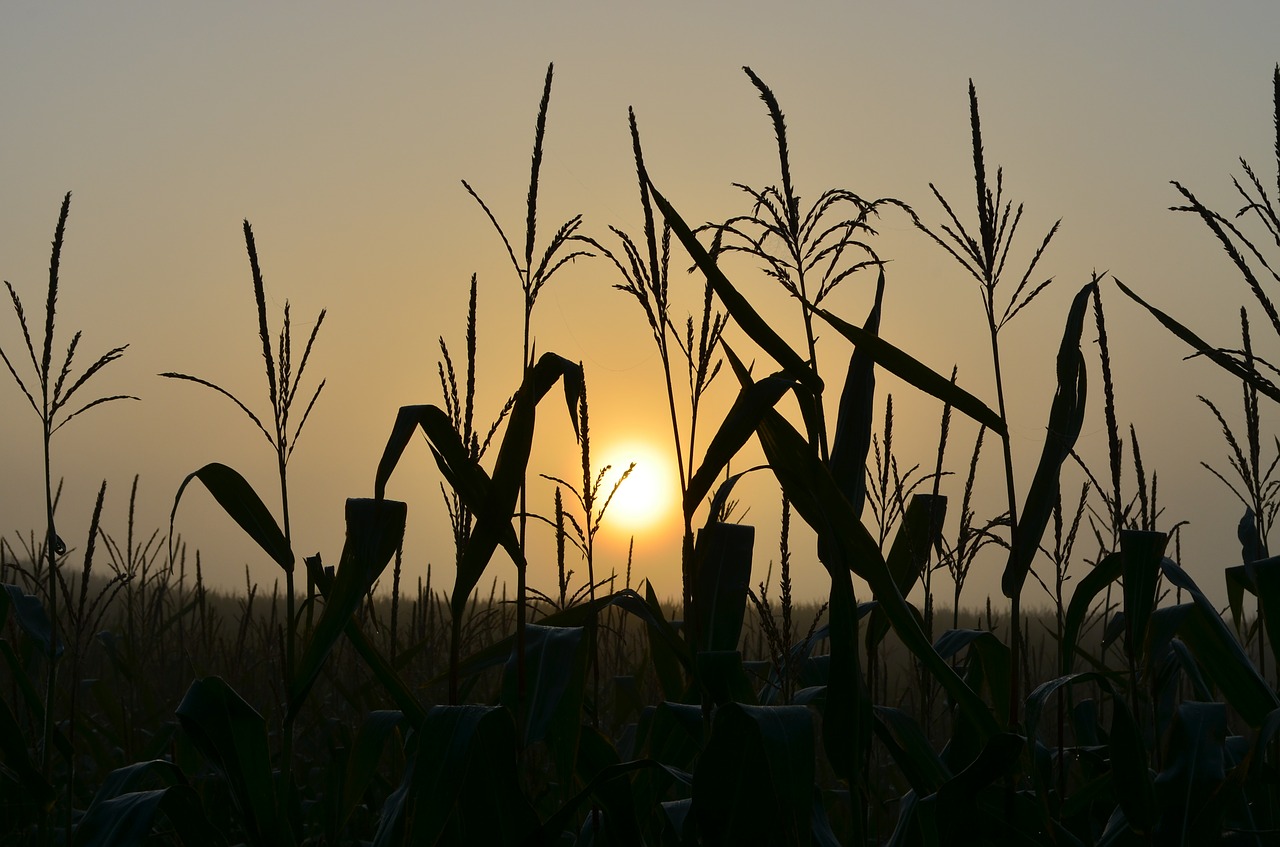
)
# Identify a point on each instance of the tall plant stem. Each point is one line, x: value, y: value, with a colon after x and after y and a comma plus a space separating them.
x: 290, y: 642
x: 1015, y: 611
x: 51, y: 544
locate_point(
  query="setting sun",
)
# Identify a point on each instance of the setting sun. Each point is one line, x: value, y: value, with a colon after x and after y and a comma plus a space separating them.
x: 648, y: 496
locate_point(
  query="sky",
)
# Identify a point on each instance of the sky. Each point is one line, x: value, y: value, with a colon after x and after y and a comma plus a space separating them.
x: 342, y: 132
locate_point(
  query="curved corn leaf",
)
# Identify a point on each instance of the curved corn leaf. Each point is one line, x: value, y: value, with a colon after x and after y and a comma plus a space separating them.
x: 460, y: 785
x: 1261, y: 579
x: 243, y: 505
x: 910, y: 750
x: 742, y: 312
x: 375, y: 530
x: 758, y: 758
x: 1190, y: 787
x: 753, y: 400
x: 989, y: 660
x: 129, y: 819
x: 852, y: 440
x: 1141, y: 553
x: 1219, y: 654
x: 233, y: 738
x: 649, y: 611
x: 31, y: 617
x: 381, y: 669
x: 1127, y: 750
x: 1066, y: 417
x: 958, y: 796
x: 1213, y: 354
x: 124, y: 810
x: 722, y: 576
x: 910, y: 370
x: 555, y: 663
x: 918, y: 532
x: 815, y: 495
x: 1090, y: 586
x: 362, y: 761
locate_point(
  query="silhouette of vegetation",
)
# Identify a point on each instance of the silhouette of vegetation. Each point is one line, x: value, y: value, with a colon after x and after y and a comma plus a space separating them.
x: 137, y: 706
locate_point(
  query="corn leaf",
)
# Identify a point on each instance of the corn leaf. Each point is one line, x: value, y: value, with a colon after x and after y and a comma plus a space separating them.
x: 912, y: 371
x: 722, y: 575
x: 1140, y: 553
x: 460, y: 785
x: 375, y: 530
x: 32, y: 619
x: 852, y: 440
x: 815, y: 495
x: 1203, y: 348
x: 130, y: 819
x: 1219, y: 654
x: 366, y: 752
x: 1261, y: 579
x: 759, y: 758
x: 1090, y: 586
x: 243, y: 505
x: 918, y: 532
x: 233, y: 738
x: 1066, y: 416
x: 555, y: 662
x: 753, y: 400
x: 1191, y: 786
x: 124, y: 811
x: 742, y: 312
x: 910, y: 750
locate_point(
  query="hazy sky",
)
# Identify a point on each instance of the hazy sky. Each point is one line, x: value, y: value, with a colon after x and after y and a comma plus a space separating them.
x: 342, y: 133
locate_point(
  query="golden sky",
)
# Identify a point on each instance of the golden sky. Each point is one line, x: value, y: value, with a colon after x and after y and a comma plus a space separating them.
x: 342, y: 132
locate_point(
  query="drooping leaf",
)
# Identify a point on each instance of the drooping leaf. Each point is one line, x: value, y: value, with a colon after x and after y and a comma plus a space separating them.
x: 460, y: 784
x: 243, y: 505
x: 233, y: 738
x: 1066, y: 417
x: 735, y: 430
x: 555, y: 662
x: 1213, y: 354
x: 910, y: 750
x: 1190, y: 787
x: 1219, y: 654
x: 816, y: 497
x: 1262, y: 579
x: 722, y: 575
x: 918, y: 532
x: 377, y: 728
x: 759, y: 758
x: 1141, y: 553
x: 1090, y: 586
x: 852, y: 440
x: 375, y: 530
x: 989, y: 661
x: 913, y: 372
x: 740, y: 309
x: 124, y: 810
x: 31, y: 617
x: 130, y: 819
x: 1127, y: 753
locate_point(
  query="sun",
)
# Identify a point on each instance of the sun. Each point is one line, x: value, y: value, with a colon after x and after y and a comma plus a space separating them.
x: 647, y: 498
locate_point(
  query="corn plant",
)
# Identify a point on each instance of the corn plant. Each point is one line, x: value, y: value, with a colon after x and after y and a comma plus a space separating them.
x: 50, y: 397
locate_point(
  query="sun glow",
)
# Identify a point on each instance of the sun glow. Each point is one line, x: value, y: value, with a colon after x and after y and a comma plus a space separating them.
x: 646, y: 499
